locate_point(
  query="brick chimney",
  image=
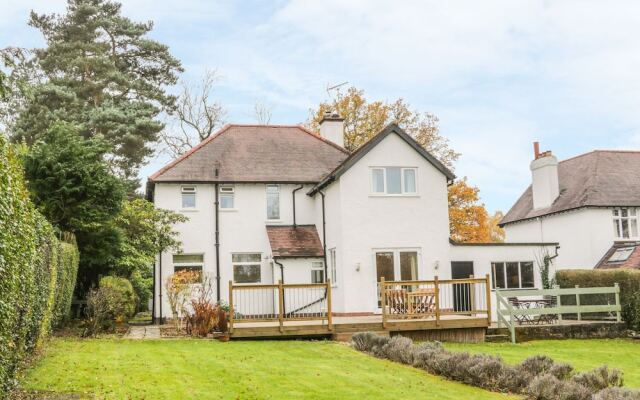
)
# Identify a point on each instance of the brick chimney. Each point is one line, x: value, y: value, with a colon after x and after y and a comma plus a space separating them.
x: 332, y: 128
x: 544, y: 174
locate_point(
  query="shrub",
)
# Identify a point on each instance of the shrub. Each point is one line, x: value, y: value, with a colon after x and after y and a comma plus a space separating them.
x: 540, y: 365
x: 617, y: 393
x: 123, y: 298
x: 599, y: 378
x: 33, y: 267
x: 629, y: 281
x: 548, y: 387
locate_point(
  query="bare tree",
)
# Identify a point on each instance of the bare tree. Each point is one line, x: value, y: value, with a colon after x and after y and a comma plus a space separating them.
x: 197, y: 114
x: 262, y: 113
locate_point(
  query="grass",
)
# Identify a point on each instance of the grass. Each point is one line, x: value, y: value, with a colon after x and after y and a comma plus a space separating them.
x: 584, y: 355
x: 204, y: 369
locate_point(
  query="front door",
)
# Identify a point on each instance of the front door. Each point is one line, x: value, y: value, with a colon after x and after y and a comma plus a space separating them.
x: 395, y: 265
x: 461, y: 291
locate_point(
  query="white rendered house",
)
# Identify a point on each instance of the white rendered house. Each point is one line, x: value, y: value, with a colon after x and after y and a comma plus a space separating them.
x: 590, y: 204
x: 271, y: 202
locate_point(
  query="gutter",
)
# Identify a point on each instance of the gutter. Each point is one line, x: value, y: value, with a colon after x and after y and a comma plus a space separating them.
x: 217, y: 238
x: 284, y: 304
x: 324, y: 239
x: 160, y: 286
x: 293, y: 194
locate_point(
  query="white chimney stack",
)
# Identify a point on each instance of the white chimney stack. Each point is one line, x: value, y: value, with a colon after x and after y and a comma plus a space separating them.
x: 332, y: 128
x: 544, y: 173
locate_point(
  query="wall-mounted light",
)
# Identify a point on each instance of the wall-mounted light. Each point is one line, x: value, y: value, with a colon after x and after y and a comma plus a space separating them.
x: 358, y: 267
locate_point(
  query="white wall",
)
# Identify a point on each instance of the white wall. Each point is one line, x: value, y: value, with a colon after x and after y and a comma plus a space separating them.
x: 483, y: 256
x: 584, y: 235
x: 371, y: 222
x: 241, y: 230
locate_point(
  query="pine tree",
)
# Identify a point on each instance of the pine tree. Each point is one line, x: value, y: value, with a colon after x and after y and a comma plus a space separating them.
x: 103, y: 75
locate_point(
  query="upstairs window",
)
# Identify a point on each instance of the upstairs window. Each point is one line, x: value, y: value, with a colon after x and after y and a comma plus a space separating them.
x: 273, y: 202
x: 227, y: 197
x: 393, y: 180
x: 512, y: 275
x: 625, y: 223
x: 188, y: 197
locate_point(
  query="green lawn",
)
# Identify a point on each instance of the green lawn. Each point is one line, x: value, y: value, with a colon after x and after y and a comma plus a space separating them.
x: 623, y: 354
x: 172, y: 369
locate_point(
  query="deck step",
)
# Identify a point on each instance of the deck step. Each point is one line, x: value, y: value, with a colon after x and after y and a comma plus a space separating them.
x: 500, y: 338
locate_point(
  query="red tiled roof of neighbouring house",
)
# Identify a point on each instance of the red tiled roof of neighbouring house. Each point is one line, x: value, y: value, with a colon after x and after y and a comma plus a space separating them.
x: 601, y: 178
x: 294, y: 241
x: 256, y: 153
x: 632, y: 260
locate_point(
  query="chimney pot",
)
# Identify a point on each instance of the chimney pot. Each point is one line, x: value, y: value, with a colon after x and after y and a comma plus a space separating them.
x: 536, y: 150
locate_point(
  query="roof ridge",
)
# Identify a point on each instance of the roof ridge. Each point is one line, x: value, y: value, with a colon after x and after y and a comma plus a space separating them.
x: 190, y: 152
x: 597, y: 151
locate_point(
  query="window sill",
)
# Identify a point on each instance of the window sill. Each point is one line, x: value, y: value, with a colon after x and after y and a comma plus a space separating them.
x: 274, y: 221
x: 394, y: 195
x: 189, y: 210
x: 228, y: 209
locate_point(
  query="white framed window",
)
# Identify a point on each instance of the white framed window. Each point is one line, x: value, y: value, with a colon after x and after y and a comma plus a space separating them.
x: 512, y: 275
x: 394, y: 181
x: 246, y: 267
x: 334, y: 266
x: 625, y: 223
x: 189, y: 262
x: 273, y: 202
x: 188, y: 196
x: 317, y: 272
x: 227, y: 201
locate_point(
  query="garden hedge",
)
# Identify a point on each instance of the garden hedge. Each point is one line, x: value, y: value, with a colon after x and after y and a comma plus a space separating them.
x: 629, y: 281
x: 37, y: 271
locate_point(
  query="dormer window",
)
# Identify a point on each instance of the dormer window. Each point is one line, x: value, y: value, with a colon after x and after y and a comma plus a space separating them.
x: 394, y: 181
x: 188, y: 197
x: 625, y: 223
x: 227, y: 197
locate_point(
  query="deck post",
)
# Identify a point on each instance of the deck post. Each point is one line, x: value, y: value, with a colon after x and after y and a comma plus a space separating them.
x: 559, y: 303
x: 617, y: 291
x: 437, y: 292
x: 329, y: 311
x: 488, y: 294
x: 472, y: 297
x: 231, y: 307
x: 383, y: 302
x: 578, y: 302
x: 280, y: 305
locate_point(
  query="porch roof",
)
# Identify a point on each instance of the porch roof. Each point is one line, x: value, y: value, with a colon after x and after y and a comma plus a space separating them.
x: 288, y: 241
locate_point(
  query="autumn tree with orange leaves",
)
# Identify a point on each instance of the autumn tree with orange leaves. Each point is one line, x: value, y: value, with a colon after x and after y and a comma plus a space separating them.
x: 469, y: 221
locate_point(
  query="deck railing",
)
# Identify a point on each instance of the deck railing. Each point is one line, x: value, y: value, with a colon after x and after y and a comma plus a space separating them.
x: 536, y: 305
x: 280, y: 303
x: 435, y: 298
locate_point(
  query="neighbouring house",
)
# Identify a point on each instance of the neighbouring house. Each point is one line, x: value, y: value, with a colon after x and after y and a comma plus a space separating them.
x: 588, y: 203
x: 274, y: 202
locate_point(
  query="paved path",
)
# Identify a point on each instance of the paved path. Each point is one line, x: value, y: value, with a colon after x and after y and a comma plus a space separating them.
x: 143, y: 332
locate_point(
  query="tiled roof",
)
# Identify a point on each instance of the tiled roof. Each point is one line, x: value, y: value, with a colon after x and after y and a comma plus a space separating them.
x: 256, y: 153
x: 298, y: 241
x: 601, y: 178
x: 633, y: 262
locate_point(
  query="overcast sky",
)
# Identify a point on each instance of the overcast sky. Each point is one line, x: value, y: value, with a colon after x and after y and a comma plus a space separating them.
x: 498, y: 74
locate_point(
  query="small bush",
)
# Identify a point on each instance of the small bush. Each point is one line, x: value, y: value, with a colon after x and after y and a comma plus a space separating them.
x: 367, y: 341
x: 123, y: 298
x: 548, y: 387
x: 617, y: 393
x: 541, y: 364
x: 398, y: 349
x: 599, y: 378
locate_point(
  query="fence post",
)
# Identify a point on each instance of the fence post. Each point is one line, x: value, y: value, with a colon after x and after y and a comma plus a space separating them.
x: 488, y: 294
x: 383, y: 302
x: 437, y: 291
x: 231, y: 307
x: 578, y: 302
x: 329, y: 312
x: 617, y: 301
x: 559, y: 303
x: 472, y: 296
x: 280, y: 305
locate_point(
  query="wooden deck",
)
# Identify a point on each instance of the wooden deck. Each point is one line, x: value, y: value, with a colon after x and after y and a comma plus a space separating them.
x: 343, y: 327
